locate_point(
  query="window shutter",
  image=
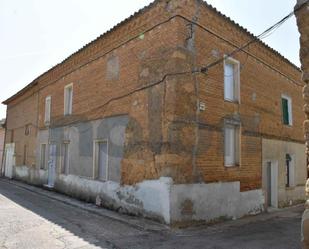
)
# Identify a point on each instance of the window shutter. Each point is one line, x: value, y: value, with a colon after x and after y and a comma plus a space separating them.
x: 285, y: 111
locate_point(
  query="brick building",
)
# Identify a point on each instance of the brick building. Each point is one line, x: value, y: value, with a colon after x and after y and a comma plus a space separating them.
x: 132, y: 122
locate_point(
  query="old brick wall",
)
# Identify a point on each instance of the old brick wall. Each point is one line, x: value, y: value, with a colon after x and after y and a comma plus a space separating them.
x: 22, y: 115
x: 111, y: 77
x: 264, y: 77
x: 144, y: 68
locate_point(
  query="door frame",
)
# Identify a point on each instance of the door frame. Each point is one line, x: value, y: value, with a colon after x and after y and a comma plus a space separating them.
x: 274, y: 183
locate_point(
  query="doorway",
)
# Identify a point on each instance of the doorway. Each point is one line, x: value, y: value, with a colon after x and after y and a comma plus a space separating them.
x: 101, y: 160
x: 271, y: 191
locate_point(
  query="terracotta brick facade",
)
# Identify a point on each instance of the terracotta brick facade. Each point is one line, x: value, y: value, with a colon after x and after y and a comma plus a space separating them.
x: 147, y: 68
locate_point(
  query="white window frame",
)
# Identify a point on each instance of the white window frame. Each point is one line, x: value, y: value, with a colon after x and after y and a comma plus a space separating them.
x: 95, y: 173
x: 236, y: 86
x: 62, y: 170
x: 47, y: 110
x: 290, y: 110
x: 237, y: 144
x: 68, y: 109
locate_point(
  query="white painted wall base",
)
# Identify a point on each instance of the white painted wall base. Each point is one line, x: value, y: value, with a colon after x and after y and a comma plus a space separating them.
x: 148, y: 198
x: 158, y: 199
x: 30, y: 175
x: 212, y: 201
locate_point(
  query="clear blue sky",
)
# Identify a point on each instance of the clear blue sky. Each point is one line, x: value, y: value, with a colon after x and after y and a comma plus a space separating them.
x: 35, y: 35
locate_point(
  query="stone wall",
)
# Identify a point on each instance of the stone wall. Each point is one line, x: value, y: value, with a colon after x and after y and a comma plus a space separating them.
x: 302, y: 16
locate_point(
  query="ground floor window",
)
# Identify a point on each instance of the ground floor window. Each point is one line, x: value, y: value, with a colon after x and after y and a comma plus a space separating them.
x: 289, y: 163
x: 231, y: 145
x: 101, y: 160
x: 65, y: 162
x: 43, y: 157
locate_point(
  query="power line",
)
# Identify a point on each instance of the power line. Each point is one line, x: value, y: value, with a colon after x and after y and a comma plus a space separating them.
x: 261, y: 36
x: 203, y: 69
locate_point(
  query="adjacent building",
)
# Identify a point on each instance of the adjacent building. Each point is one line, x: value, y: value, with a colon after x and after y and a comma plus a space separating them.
x: 161, y: 117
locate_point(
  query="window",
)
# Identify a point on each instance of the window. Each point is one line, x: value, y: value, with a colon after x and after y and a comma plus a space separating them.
x: 65, y: 158
x: 101, y: 160
x: 231, y: 145
x: 47, y: 109
x: 43, y: 157
x: 68, y: 99
x: 289, y: 162
x: 286, y: 110
x: 231, y: 80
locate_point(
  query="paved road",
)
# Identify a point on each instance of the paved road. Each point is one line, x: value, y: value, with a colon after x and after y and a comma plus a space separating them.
x: 31, y: 220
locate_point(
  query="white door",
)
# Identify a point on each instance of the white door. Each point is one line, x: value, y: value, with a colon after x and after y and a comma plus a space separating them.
x: 9, y: 160
x: 52, y: 165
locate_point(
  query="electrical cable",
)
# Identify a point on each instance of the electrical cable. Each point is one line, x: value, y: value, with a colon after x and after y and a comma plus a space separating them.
x: 256, y: 38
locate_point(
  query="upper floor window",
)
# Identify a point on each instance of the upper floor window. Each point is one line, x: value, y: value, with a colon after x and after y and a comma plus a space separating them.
x: 47, y: 109
x: 286, y: 110
x: 231, y: 79
x: 68, y: 99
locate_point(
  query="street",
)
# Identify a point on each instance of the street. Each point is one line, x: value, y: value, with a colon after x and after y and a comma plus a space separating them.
x: 33, y: 220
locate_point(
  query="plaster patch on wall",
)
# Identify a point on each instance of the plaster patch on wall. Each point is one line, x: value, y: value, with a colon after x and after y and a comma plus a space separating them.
x: 112, y: 70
